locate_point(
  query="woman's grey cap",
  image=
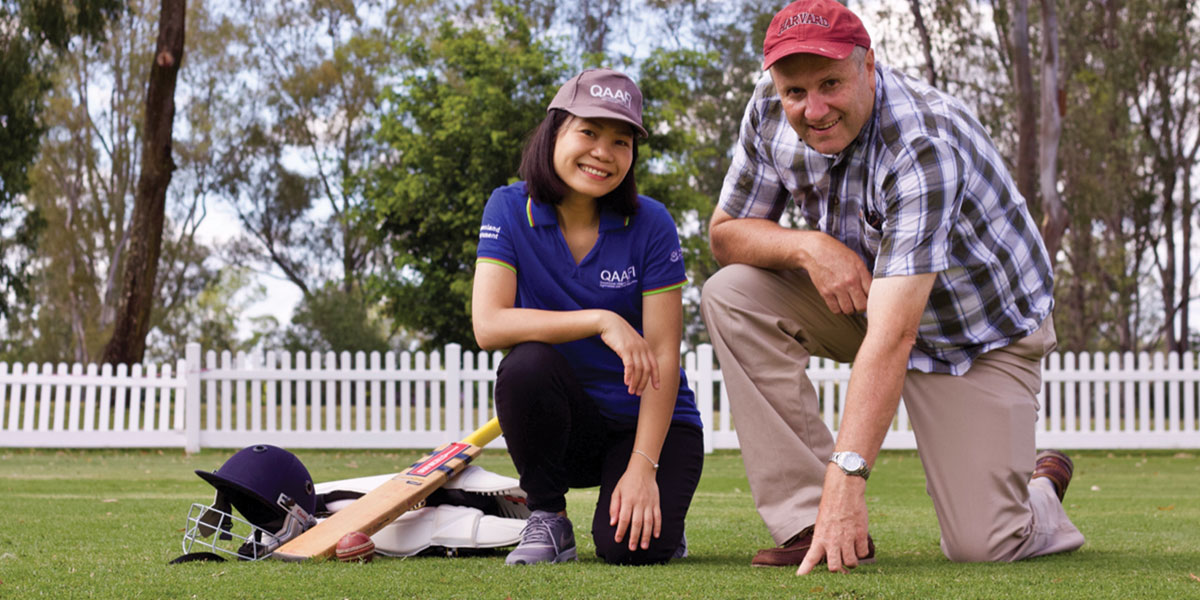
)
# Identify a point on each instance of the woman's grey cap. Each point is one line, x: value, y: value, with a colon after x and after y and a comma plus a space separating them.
x: 602, y: 94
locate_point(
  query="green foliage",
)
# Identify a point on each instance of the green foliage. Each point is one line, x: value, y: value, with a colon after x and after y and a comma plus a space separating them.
x: 455, y: 127
x: 104, y: 523
x: 291, y: 111
x: 33, y: 35
x: 686, y: 160
x: 1100, y: 281
x: 1123, y: 137
x: 19, y: 234
x: 334, y: 320
x: 294, y: 109
x: 82, y: 186
x: 208, y: 317
x: 19, y: 107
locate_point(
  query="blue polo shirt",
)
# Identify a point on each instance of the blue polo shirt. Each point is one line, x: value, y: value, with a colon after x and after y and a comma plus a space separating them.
x: 633, y: 257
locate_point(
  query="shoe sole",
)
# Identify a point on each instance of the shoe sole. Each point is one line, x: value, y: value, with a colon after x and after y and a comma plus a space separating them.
x: 564, y: 556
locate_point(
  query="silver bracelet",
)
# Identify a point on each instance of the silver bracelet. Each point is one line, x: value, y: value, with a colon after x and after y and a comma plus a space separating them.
x: 647, y: 456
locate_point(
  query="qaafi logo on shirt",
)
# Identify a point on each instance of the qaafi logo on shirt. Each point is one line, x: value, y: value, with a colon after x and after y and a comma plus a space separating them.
x: 614, y: 279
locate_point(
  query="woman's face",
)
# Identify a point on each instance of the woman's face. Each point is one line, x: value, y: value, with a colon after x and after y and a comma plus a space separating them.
x: 592, y: 156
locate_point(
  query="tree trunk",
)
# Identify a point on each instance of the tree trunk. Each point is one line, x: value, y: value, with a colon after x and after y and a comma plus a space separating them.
x: 128, y: 342
x: 1184, y: 343
x: 926, y: 42
x: 1054, y: 220
x: 1026, y: 175
x: 1167, y: 266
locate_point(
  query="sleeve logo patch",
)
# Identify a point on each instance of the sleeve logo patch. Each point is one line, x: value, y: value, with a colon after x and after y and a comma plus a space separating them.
x: 489, y: 232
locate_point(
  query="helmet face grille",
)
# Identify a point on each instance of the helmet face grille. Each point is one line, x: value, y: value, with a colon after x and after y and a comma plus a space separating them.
x: 210, y: 529
x: 233, y: 537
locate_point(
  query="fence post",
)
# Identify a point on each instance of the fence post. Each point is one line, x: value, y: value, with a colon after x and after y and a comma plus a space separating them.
x: 191, y: 396
x: 704, y: 393
x: 453, y: 397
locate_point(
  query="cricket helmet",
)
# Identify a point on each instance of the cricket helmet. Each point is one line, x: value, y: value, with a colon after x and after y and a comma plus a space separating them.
x: 271, y: 489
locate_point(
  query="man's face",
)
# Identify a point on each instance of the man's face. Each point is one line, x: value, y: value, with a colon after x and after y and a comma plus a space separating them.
x: 826, y: 101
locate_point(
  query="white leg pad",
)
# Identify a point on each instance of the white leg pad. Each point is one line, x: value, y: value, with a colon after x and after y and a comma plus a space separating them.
x: 472, y: 479
x: 411, y: 533
x: 481, y: 481
x: 361, y: 485
x: 448, y: 526
x: 464, y: 527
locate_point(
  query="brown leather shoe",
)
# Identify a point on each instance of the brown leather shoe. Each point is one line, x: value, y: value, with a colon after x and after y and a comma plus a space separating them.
x: 792, y: 552
x: 1056, y: 467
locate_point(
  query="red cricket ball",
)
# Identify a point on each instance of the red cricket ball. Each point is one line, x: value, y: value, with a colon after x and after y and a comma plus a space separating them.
x: 355, y: 546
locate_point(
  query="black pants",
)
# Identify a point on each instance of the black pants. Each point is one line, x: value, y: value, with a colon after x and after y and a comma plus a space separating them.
x: 558, y: 440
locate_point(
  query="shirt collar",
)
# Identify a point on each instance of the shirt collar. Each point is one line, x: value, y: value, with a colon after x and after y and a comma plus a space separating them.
x: 539, y: 214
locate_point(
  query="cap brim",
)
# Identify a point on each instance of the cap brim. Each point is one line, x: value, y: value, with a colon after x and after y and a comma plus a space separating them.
x: 599, y: 113
x: 834, y: 50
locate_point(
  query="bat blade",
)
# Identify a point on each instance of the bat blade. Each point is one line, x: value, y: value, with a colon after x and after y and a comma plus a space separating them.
x: 385, y: 503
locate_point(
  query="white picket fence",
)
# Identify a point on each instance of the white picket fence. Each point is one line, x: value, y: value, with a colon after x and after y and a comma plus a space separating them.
x: 420, y: 401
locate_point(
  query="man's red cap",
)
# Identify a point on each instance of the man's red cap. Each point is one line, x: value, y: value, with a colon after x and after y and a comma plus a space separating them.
x: 823, y: 27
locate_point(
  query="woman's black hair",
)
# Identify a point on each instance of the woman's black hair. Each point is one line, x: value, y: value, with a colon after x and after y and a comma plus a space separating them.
x: 537, y: 169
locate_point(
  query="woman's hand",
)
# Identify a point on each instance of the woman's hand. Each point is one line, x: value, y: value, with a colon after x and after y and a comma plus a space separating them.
x: 641, y: 367
x: 634, y: 507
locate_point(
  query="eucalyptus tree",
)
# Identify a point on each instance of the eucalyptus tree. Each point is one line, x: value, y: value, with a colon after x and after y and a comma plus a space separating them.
x: 1167, y: 114
x: 1131, y: 132
x: 294, y: 125
x: 33, y: 38
x: 84, y: 186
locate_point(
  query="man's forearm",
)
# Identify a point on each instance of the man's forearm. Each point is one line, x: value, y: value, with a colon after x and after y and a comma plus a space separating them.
x: 758, y: 242
x: 874, y: 393
x: 877, y: 379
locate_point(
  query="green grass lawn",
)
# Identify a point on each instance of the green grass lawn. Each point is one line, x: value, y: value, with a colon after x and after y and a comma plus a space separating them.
x: 80, y: 524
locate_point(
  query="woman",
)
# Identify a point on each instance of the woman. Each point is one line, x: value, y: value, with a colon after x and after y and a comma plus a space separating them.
x: 582, y: 278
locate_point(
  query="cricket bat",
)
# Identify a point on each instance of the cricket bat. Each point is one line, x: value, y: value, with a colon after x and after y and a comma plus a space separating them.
x: 396, y: 496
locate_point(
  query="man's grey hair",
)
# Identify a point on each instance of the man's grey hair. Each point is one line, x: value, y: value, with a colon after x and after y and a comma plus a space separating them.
x: 859, y: 55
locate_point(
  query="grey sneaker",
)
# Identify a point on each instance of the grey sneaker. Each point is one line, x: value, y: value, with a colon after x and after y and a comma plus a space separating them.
x: 547, y: 537
x: 681, y: 551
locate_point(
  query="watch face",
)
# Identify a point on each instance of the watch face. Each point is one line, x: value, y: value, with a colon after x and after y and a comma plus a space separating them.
x: 853, y: 463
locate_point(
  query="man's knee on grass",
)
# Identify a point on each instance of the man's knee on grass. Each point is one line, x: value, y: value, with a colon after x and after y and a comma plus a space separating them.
x: 615, y: 553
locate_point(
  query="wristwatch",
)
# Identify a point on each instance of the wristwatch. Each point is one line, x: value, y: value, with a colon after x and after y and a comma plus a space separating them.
x: 851, y: 463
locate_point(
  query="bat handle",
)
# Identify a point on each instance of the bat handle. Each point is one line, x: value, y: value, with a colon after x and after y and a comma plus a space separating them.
x: 485, y: 434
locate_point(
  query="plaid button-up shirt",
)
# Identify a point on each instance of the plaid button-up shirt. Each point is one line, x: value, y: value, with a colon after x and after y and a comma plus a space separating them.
x: 922, y: 189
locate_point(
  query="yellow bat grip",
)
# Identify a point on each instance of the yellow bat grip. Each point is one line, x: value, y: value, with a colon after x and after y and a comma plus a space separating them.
x: 485, y: 434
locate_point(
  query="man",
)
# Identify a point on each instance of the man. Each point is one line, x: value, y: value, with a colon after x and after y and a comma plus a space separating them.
x: 920, y: 264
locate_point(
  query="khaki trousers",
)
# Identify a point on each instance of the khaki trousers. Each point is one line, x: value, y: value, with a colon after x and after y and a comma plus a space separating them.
x: 974, y: 432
